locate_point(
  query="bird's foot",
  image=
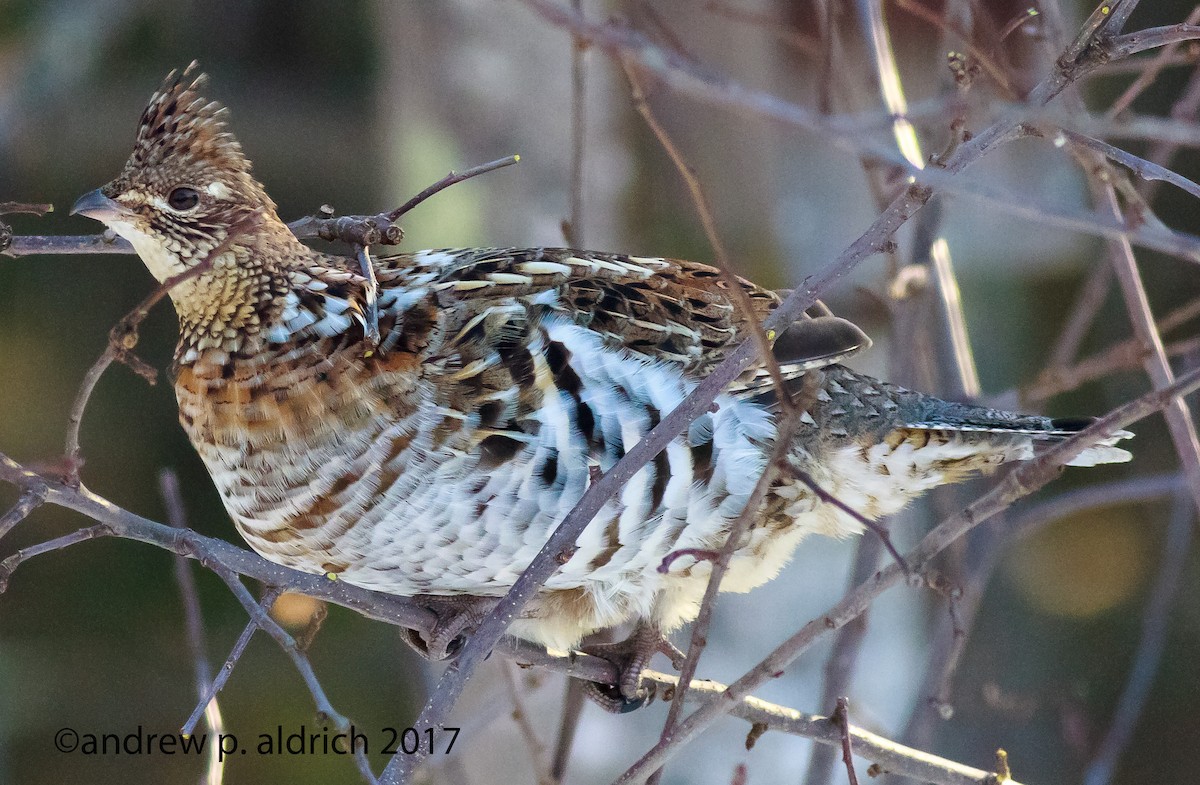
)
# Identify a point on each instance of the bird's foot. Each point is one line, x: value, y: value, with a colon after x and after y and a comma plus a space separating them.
x: 630, y: 656
x: 457, y: 617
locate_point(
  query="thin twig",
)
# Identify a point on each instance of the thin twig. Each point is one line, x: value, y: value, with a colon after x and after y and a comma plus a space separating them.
x: 1156, y: 621
x: 573, y: 234
x: 734, y: 288
x: 168, y: 483
x: 985, y: 59
x: 1183, y: 348
x: 1169, y: 133
x: 14, y: 208
x: 831, y: 45
x: 1135, y: 490
x: 1151, y: 38
x: 299, y: 659
x: 1125, y: 356
x: 888, y: 755
x: 209, y: 695
x: 520, y: 715
x: 54, y: 245
x: 1136, y: 65
x: 1148, y: 235
x: 770, y: 25
x: 1183, y: 112
x: 841, y: 718
x: 1095, y: 292
x: 839, y: 668
x: 1079, y: 323
x: 958, y: 33
x: 1147, y: 170
x: 449, y: 180
x: 11, y: 563
x: 7, y: 208
x: 699, y: 554
x: 1015, y: 23
x: 1118, y: 12
x: 877, y: 528
x: 1091, y: 47
x: 573, y: 228
x: 380, y: 229
x: 572, y: 710
x: 1150, y: 71
x: 1180, y: 423
x: 662, y: 32
x: 949, y: 640
x: 30, y: 500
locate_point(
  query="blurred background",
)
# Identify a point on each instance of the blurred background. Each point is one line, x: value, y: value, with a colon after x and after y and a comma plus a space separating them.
x: 360, y: 105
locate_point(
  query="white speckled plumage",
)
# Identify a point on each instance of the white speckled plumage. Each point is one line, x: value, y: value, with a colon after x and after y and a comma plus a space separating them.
x: 438, y: 461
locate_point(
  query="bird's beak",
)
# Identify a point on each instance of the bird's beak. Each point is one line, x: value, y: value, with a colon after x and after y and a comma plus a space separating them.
x: 96, y: 205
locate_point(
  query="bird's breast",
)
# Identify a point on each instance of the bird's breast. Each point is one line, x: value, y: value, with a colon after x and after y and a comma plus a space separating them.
x: 298, y: 445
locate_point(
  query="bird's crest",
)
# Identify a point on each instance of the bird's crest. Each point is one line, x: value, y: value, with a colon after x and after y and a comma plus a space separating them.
x: 183, y: 137
x: 179, y: 125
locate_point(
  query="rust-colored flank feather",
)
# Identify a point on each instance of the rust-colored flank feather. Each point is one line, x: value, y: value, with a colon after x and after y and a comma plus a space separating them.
x: 439, y: 461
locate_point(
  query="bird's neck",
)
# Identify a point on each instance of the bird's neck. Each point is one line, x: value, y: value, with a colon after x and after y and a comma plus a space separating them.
x: 228, y: 306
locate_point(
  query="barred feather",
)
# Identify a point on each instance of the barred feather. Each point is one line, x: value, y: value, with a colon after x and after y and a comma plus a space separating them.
x: 439, y: 460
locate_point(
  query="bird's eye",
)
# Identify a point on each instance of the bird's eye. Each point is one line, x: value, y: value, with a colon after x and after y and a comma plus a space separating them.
x: 183, y: 198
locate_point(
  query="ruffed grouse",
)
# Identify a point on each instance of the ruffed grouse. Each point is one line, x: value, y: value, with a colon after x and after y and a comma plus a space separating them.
x: 438, y: 461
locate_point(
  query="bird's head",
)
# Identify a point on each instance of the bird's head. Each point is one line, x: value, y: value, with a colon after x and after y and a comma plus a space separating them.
x: 185, y: 185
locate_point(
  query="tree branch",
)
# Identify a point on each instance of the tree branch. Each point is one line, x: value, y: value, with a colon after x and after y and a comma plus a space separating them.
x: 1176, y: 549
x: 893, y: 758
x: 1147, y: 170
x: 168, y: 483
x: 1130, y: 44
x: 31, y: 498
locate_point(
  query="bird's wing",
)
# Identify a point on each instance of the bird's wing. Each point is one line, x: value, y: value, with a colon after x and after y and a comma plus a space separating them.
x: 676, y: 313
x: 511, y: 336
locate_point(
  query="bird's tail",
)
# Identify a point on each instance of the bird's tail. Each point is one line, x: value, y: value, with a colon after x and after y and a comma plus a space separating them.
x: 1043, y: 432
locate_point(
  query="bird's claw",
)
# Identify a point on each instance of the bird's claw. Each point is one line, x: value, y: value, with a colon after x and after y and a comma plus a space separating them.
x: 457, y: 618
x: 630, y: 656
